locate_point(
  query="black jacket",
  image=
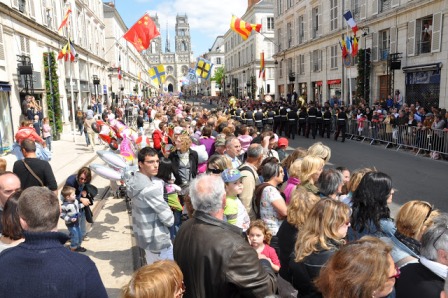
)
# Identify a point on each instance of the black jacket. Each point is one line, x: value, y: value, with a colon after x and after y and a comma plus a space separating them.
x: 217, y: 261
x: 418, y: 281
x: 175, y: 160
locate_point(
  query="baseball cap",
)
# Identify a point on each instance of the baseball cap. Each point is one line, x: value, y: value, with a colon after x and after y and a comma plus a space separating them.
x: 283, y: 142
x: 220, y: 141
x: 231, y: 175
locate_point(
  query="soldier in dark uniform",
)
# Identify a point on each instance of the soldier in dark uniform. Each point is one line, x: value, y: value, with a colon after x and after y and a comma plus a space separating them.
x: 319, y: 120
x: 292, y: 122
x: 341, y: 123
x: 238, y: 114
x: 327, y: 123
x: 277, y: 119
x: 269, y: 116
x: 283, y: 120
x: 302, y: 121
x: 258, y: 117
x: 232, y: 113
x: 312, y: 114
x: 249, y: 116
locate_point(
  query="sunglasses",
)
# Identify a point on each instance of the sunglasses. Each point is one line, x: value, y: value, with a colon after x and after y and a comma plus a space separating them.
x: 214, y: 171
x: 397, y: 273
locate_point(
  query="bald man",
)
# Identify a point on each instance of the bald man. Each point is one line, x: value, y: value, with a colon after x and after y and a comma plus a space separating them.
x: 9, y: 183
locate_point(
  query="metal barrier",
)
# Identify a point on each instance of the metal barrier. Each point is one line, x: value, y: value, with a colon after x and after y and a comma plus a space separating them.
x: 417, y: 138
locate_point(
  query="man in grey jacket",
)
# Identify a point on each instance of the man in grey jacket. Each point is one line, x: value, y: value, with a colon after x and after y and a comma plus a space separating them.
x: 151, y: 215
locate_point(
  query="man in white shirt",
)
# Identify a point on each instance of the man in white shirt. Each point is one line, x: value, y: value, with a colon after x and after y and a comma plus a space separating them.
x: 233, y: 151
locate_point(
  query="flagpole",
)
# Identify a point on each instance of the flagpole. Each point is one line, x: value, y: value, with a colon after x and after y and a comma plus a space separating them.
x: 350, y: 75
x: 73, y: 103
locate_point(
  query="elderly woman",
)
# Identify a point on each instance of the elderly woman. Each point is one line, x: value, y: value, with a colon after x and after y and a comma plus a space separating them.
x: 361, y: 269
x: 320, y: 150
x: 412, y: 220
x: 185, y: 161
x: 371, y: 214
x: 321, y: 236
x: 330, y: 184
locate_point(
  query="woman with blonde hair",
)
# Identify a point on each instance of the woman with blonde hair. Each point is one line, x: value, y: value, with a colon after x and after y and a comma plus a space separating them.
x: 360, y: 269
x: 299, y: 207
x: 320, y: 150
x: 411, y: 221
x: 162, y: 279
x: 185, y: 161
x: 310, y: 170
x: 321, y: 236
x: 217, y: 164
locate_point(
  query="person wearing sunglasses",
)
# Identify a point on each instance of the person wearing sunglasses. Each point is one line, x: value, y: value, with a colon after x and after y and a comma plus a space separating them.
x: 320, y: 237
x: 426, y: 278
x: 360, y: 269
x: 412, y: 220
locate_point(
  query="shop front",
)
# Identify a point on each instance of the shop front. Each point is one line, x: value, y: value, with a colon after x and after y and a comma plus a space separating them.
x: 6, y: 125
x: 317, y: 92
x: 423, y: 84
x: 334, y: 89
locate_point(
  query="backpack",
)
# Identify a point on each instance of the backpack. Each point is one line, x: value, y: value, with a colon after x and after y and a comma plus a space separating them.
x: 256, y: 199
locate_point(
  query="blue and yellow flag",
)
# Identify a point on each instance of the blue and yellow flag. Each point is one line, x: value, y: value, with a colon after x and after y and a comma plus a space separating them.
x: 157, y: 74
x: 203, y: 68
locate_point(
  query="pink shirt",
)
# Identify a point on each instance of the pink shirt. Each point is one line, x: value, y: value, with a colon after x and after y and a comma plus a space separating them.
x: 245, y: 142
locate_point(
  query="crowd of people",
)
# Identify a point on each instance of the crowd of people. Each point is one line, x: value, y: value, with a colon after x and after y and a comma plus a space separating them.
x: 222, y: 209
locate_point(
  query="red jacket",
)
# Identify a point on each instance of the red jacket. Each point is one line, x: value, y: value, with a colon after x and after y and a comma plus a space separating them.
x: 158, y: 138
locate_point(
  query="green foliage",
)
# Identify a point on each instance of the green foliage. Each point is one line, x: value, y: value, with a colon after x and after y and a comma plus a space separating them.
x: 364, y: 68
x: 52, y: 92
x: 219, y: 75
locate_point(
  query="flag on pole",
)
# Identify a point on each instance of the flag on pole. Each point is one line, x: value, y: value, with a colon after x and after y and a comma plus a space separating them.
x: 350, y: 21
x: 157, y: 74
x: 141, y: 33
x: 203, y: 68
x: 68, y: 52
x: 65, y: 19
x: 343, y: 48
x: 348, y: 44
x: 243, y: 28
x: 262, y: 73
x: 191, y: 76
x: 355, y: 46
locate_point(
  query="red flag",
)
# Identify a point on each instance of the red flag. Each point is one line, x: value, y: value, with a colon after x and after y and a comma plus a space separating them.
x: 141, y: 33
x: 65, y: 19
x: 355, y: 46
x: 68, y: 52
x: 243, y: 28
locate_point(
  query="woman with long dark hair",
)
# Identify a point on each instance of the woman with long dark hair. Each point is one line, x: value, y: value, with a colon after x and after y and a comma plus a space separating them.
x: 371, y: 214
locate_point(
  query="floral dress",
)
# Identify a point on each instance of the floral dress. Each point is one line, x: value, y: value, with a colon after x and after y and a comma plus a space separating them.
x: 267, y: 211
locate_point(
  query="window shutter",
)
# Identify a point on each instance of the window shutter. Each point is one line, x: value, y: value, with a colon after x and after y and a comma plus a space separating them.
x: 319, y: 63
x: 436, y: 32
x: 374, y: 7
x: 304, y: 29
x: 393, y: 40
x: 44, y: 13
x: 319, y: 13
x: 362, y: 9
x: 311, y: 62
x: 374, y: 46
x: 411, y: 38
x: 32, y: 9
x: 2, y: 47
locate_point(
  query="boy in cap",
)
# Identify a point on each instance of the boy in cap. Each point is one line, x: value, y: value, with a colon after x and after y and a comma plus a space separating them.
x: 282, y: 144
x: 235, y: 213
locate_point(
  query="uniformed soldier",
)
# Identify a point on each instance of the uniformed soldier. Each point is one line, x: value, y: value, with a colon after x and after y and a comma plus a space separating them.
x: 327, y: 123
x: 283, y: 120
x: 277, y: 119
x: 302, y: 120
x: 341, y: 117
x: 249, y: 116
x: 269, y: 116
x: 292, y: 122
x: 311, y: 125
x: 319, y: 120
x: 258, y: 118
x: 238, y: 114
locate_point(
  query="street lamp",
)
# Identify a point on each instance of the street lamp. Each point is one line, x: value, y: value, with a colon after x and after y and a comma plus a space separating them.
x: 96, y: 82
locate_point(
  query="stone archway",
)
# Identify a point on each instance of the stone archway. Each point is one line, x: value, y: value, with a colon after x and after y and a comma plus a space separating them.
x: 170, y: 87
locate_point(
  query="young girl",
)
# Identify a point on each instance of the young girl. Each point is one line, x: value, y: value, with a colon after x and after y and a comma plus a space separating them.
x: 46, y: 132
x: 244, y: 138
x: 170, y: 192
x: 259, y: 238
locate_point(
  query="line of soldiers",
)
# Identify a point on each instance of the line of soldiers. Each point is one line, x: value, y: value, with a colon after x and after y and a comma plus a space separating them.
x: 292, y: 120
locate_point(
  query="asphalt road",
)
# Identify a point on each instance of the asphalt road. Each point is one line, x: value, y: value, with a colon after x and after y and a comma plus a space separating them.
x: 414, y: 177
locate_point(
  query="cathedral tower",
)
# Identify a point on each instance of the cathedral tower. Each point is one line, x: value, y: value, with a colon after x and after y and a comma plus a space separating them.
x: 183, y: 41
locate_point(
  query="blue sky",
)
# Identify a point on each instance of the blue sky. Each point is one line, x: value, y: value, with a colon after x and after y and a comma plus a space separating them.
x: 208, y: 18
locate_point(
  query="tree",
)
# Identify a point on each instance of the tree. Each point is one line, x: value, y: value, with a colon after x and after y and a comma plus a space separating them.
x: 52, y: 92
x: 219, y: 75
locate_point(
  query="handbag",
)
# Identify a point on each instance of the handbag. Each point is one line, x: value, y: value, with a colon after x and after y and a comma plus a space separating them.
x: 89, y: 214
x: 32, y: 173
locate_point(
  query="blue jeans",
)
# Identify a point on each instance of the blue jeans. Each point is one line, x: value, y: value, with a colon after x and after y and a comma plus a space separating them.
x: 82, y: 223
x: 177, y: 222
x: 75, y: 235
x: 48, y: 142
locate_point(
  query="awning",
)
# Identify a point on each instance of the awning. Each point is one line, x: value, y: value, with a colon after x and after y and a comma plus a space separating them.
x: 5, y: 87
x: 319, y: 83
x: 423, y: 67
x: 334, y: 82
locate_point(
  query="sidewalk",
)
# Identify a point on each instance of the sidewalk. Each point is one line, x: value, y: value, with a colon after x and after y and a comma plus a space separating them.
x: 110, y: 245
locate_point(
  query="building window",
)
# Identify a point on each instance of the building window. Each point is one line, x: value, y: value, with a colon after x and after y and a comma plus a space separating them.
x: 279, y: 39
x: 301, y: 30
x: 22, y: 6
x: 317, y: 60
x: 424, y: 35
x: 384, y: 5
x: 24, y: 45
x: 302, y: 64
x: 270, y: 23
x: 280, y: 69
x: 334, y: 57
x: 384, y: 42
x: 218, y: 60
x: 355, y: 9
x: 289, y: 34
x: 289, y: 4
x: 279, y: 7
x: 333, y: 15
x: 315, y: 30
